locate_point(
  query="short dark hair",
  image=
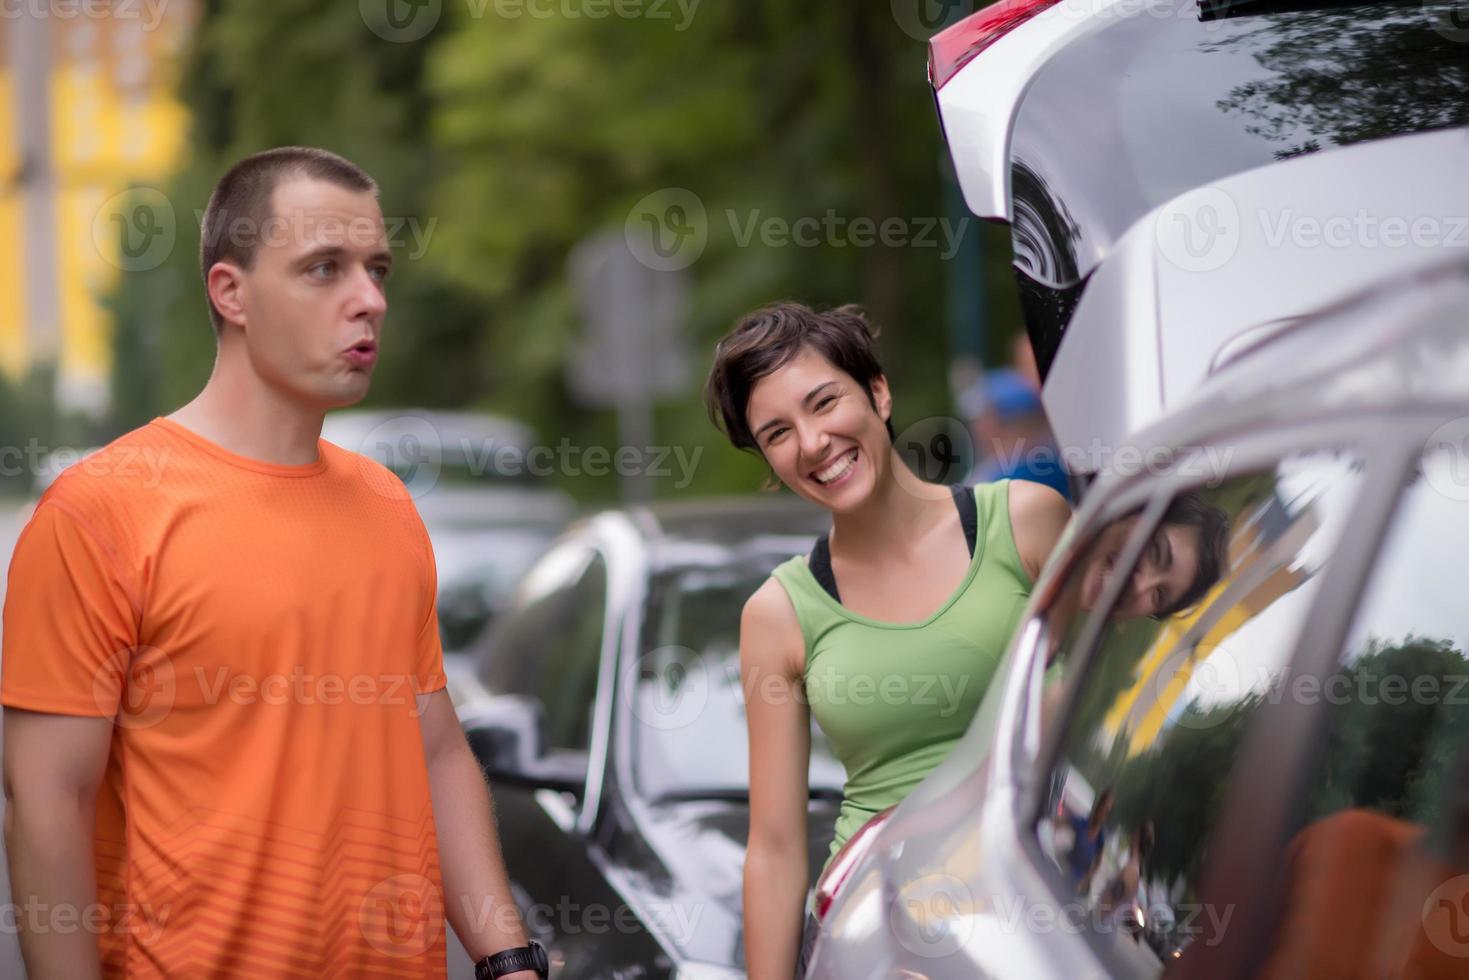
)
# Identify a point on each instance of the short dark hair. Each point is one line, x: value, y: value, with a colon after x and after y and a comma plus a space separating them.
x: 771, y: 337
x: 1192, y: 510
x: 243, y: 194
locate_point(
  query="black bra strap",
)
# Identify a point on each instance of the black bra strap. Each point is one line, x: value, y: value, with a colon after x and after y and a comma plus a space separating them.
x: 820, y: 561
x: 968, y: 515
x: 821, y: 566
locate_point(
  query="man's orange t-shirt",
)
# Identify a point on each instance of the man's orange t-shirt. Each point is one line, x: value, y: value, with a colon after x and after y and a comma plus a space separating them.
x: 259, y: 633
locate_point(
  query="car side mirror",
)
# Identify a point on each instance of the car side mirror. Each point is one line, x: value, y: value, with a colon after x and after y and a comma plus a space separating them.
x: 507, y: 736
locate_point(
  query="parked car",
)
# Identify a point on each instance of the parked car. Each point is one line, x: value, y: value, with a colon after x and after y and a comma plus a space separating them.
x: 488, y: 514
x: 607, y: 711
x: 1269, y: 782
x: 1182, y: 176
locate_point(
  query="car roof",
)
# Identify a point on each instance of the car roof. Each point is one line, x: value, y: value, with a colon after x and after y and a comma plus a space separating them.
x: 728, y: 529
x: 350, y: 428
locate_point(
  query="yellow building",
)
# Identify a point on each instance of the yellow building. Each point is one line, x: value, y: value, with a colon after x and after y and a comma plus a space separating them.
x: 88, y: 109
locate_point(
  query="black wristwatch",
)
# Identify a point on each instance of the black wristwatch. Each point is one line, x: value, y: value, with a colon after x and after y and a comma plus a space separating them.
x: 508, y: 961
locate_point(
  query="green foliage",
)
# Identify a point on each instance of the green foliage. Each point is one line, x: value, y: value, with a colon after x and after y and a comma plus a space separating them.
x: 509, y: 139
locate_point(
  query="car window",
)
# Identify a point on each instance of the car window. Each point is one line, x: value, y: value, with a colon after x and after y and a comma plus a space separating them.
x: 1379, y: 863
x: 548, y: 647
x: 1166, y: 101
x: 689, y: 731
x: 1196, y: 643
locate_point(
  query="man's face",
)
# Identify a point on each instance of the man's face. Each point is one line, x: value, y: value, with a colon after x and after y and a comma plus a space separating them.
x: 314, y: 302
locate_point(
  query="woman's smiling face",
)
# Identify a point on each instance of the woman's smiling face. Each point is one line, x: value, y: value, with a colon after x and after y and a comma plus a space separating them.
x: 820, y: 432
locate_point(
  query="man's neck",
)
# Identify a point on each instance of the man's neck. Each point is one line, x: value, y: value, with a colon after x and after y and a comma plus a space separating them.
x: 239, y: 412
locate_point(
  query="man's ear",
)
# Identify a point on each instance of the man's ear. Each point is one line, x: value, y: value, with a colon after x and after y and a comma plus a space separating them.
x: 225, y: 284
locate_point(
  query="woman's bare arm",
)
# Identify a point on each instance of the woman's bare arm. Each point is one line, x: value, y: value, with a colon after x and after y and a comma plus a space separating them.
x: 772, y: 659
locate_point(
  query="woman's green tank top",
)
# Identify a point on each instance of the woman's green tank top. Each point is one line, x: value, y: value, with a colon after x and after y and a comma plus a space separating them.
x: 893, y: 698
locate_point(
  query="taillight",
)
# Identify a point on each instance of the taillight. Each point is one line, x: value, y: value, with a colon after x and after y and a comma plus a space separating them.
x: 846, y: 859
x: 951, y: 48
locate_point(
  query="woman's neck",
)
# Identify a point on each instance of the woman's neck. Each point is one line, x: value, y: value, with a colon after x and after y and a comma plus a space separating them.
x: 901, y: 508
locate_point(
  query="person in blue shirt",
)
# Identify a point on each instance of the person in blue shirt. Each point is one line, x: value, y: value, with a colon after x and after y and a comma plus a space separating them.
x: 1012, y: 438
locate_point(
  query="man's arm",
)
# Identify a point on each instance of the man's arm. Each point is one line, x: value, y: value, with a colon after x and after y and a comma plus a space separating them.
x: 469, y: 844
x: 53, y: 767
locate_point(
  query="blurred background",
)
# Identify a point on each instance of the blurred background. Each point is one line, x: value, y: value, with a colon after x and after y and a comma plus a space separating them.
x: 582, y: 196
x: 773, y: 150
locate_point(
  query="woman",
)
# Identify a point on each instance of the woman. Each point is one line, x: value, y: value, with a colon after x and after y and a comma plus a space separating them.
x: 890, y: 631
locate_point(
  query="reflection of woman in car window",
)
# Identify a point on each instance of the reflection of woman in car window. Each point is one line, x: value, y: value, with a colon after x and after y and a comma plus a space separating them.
x: 892, y: 628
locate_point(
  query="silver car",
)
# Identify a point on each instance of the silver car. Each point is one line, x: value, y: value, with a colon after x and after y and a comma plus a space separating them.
x: 1180, y: 177
x: 1269, y: 782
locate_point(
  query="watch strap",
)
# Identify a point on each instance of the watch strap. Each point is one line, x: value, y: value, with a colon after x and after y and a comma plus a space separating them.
x: 509, y: 961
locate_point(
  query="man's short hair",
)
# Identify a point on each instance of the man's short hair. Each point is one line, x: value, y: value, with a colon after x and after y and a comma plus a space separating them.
x: 240, y: 205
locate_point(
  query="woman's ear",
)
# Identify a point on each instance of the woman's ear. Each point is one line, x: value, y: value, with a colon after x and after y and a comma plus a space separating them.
x: 882, y: 397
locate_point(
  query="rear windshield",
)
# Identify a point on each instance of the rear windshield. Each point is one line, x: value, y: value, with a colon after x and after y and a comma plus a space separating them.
x: 1161, y: 101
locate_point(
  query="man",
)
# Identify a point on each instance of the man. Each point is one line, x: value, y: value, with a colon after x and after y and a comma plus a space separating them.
x: 1012, y: 438
x: 228, y: 747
